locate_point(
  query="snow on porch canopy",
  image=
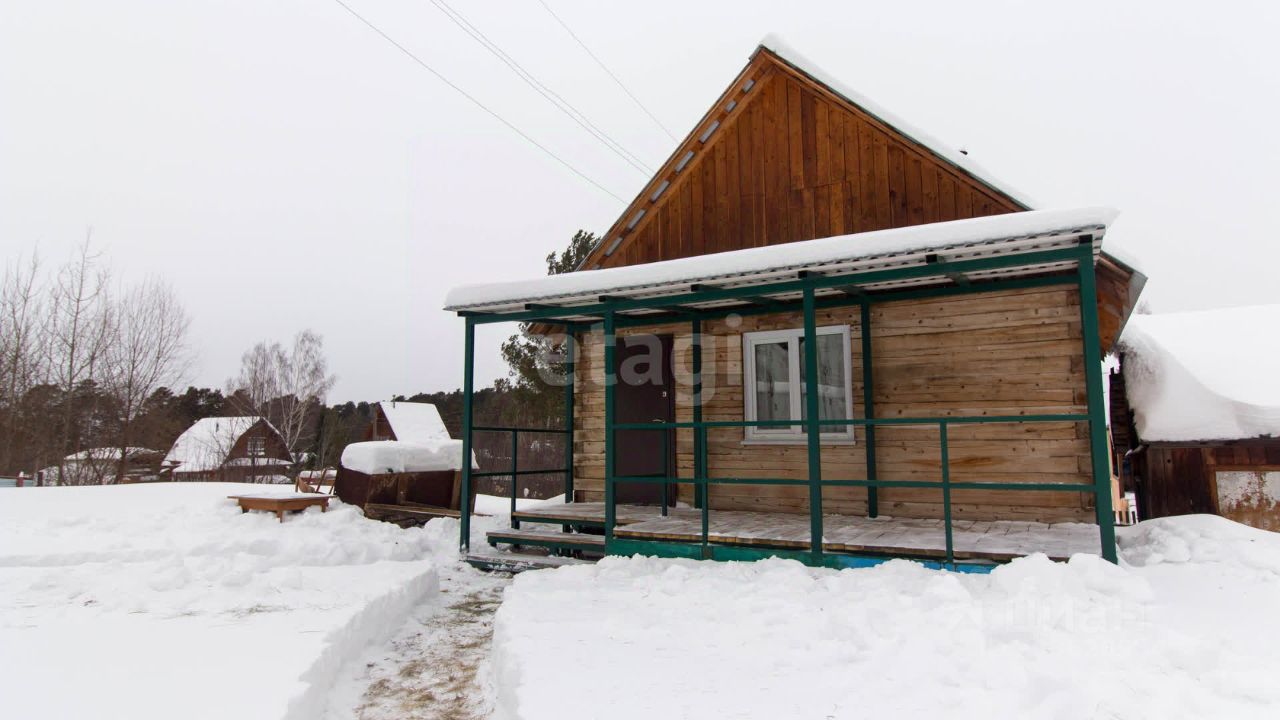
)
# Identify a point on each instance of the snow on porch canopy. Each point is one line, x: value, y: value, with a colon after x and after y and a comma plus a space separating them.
x: 936, y: 244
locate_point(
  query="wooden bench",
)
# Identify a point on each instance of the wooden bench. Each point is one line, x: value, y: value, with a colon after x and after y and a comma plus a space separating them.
x: 280, y: 504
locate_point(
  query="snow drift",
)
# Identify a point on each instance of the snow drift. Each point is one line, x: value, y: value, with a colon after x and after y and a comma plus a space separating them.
x: 1185, y: 631
x: 162, y: 601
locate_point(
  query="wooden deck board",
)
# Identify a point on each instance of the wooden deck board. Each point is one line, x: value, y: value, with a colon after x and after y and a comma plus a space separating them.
x: 972, y: 539
x: 593, y: 512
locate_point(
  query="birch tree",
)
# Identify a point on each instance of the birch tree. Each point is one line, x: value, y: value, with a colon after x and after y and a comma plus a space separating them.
x: 78, y: 329
x: 147, y: 350
x: 284, y: 384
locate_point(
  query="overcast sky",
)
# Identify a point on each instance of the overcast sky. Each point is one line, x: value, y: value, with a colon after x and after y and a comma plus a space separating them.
x: 284, y: 167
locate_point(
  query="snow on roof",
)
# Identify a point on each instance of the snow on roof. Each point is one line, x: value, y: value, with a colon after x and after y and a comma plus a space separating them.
x: 1204, y: 375
x: 1021, y: 232
x: 204, y: 445
x: 110, y: 453
x: 952, y: 155
x: 414, y: 421
x: 395, y: 456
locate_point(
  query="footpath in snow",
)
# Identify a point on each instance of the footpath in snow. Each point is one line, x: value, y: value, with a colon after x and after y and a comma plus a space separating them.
x: 1185, y: 628
x: 163, y: 601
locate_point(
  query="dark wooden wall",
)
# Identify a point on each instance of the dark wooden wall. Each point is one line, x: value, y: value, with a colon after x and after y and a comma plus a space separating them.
x: 791, y: 161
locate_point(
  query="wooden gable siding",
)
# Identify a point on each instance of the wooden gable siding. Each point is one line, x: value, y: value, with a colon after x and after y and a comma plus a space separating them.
x: 791, y: 161
x: 999, y: 353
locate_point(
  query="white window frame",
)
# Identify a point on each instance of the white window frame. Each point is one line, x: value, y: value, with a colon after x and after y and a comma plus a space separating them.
x: 792, y: 434
x: 255, y: 446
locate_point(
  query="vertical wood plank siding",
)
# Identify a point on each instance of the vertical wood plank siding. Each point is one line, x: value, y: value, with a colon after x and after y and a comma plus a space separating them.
x: 790, y: 162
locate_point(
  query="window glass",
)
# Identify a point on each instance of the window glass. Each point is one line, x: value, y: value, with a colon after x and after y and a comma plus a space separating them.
x: 773, y: 385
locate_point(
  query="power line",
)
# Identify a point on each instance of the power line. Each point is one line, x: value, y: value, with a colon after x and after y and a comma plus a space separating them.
x: 551, y: 96
x: 604, y: 67
x: 476, y: 102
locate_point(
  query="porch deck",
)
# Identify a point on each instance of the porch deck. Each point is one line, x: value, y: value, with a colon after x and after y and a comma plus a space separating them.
x: 997, y: 540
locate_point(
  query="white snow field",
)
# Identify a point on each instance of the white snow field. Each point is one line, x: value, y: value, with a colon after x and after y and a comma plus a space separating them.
x: 164, y: 601
x: 1185, y: 628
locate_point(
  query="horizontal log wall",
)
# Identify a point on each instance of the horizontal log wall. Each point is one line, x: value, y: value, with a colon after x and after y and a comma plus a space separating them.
x: 999, y: 353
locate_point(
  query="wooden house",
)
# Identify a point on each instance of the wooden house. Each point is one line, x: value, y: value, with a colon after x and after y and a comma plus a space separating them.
x: 800, y: 231
x: 406, y: 470
x: 229, y: 449
x: 1195, y: 410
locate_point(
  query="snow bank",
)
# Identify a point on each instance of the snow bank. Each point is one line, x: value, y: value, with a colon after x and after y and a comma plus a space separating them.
x: 1205, y: 375
x: 392, y: 456
x: 161, y: 601
x: 1199, y: 539
x: 682, y: 639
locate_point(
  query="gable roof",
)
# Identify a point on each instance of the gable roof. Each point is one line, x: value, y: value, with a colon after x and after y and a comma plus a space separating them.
x: 414, y: 421
x: 765, y: 171
x: 1204, y: 375
x: 205, y: 445
x: 775, y: 44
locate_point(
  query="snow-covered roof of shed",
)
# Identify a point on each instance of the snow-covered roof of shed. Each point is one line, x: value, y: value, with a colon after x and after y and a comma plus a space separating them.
x: 793, y: 57
x: 204, y: 445
x: 1204, y: 375
x: 918, y: 245
x: 414, y: 421
x: 377, y: 457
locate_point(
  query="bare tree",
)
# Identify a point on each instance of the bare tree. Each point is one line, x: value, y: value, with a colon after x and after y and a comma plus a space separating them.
x: 147, y: 350
x: 21, y: 340
x: 284, y: 384
x: 79, y: 327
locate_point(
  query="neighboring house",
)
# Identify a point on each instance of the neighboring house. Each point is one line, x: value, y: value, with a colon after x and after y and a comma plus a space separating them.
x: 1196, y: 413
x: 100, y: 466
x: 230, y: 449
x: 800, y: 231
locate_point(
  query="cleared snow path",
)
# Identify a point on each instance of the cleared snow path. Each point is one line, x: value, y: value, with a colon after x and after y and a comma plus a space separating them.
x: 436, y: 665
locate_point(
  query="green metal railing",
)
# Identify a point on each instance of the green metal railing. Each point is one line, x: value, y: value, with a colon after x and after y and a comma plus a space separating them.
x: 515, y: 472
x: 702, y: 483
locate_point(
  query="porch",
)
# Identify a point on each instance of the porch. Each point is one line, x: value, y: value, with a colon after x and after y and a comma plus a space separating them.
x: 730, y: 531
x: 950, y: 262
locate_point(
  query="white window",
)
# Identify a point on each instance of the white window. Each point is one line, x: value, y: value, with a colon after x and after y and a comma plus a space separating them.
x: 774, y: 385
x: 257, y: 447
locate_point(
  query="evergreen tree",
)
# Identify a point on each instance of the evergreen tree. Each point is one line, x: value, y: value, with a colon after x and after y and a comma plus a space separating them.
x: 535, y: 401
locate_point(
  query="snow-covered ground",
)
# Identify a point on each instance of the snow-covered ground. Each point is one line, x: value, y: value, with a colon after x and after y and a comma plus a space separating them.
x: 1185, y: 628
x: 164, y: 601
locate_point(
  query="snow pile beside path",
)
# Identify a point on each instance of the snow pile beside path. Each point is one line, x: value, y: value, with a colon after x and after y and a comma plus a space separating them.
x: 683, y: 639
x: 160, y: 601
x: 1204, y: 375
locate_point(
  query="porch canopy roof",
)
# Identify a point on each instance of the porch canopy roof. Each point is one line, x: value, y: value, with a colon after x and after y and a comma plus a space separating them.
x: 959, y: 253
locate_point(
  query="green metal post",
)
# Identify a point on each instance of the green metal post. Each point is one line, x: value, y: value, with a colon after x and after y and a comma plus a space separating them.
x: 570, y: 375
x: 946, y: 492
x: 468, y: 368
x: 610, y: 379
x: 515, y: 475
x: 869, y: 409
x: 700, y: 437
x: 812, y: 428
x: 1097, y: 412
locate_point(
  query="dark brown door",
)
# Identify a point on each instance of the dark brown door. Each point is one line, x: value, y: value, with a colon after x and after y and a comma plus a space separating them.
x: 645, y: 393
